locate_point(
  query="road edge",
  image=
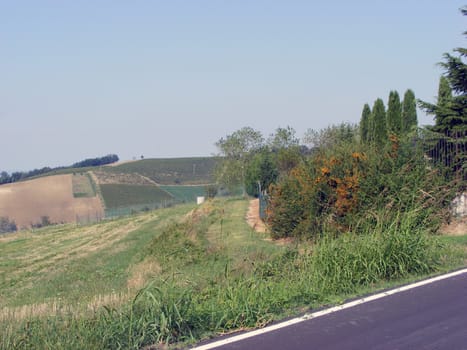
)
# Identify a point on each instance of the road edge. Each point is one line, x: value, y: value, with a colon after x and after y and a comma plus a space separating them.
x: 309, y: 316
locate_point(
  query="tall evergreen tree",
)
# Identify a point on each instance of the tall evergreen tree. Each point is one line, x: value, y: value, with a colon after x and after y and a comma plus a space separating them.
x: 378, y: 118
x: 409, y: 112
x: 450, y: 111
x: 394, y: 116
x: 442, y: 111
x: 365, y: 124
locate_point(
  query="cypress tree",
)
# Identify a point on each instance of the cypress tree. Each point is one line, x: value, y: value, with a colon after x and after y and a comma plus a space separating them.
x: 365, y: 124
x: 409, y: 112
x: 379, y: 130
x: 394, y: 121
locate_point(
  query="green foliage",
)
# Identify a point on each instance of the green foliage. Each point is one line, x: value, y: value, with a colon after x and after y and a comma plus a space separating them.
x: 211, y: 190
x: 378, y: 129
x: 286, y: 159
x: 365, y: 123
x: 236, y: 150
x: 261, y: 171
x: 330, y: 136
x: 394, y: 114
x: 283, y: 138
x: 316, y: 194
x: 385, y: 251
x: 450, y: 113
x: 443, y: 102
x: 409, y: 112
x: 335, y: 189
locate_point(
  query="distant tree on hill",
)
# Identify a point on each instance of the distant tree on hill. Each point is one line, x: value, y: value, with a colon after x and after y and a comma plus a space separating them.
x: 108, y: 159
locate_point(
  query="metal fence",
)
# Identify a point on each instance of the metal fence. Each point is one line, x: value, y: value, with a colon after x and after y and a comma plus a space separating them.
x: 447, y: 151
x: 263, y: 204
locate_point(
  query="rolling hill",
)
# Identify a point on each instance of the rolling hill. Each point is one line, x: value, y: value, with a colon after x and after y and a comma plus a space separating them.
x: 84, y: 195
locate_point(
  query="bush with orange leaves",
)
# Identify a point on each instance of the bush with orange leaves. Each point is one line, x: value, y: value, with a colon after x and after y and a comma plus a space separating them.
x: 321, y: 191
x: 338, y: 189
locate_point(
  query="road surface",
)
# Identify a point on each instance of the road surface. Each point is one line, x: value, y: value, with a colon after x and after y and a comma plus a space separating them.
x: 429, y: 315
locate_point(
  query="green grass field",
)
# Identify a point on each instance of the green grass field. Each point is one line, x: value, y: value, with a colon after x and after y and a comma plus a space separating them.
x: 185, y: 193
x: 119, y: 195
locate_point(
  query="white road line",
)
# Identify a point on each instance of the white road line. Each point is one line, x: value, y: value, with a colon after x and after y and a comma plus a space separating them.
x: 326, y: 311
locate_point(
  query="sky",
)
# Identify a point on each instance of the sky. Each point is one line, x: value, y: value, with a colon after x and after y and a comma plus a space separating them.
x: 82, y: 79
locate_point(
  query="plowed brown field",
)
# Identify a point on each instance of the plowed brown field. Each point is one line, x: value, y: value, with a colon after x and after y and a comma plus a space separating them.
x: 27, y: 202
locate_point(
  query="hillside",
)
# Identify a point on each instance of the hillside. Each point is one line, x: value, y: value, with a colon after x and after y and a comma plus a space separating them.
x: 89, y: 194
x: 170, y: 171
x: 52, y: 199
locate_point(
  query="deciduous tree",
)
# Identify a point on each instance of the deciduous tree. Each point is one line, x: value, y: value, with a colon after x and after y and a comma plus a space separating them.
x: 236, y: 151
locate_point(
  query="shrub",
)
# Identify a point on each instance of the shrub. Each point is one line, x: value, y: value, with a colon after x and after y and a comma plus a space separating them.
x: 336, y: 188
x: 7, y: 225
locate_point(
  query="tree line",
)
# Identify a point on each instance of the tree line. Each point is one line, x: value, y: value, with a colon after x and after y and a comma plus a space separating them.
x: 5, y: 177
x: 370, y: 173
x: 377, y: 124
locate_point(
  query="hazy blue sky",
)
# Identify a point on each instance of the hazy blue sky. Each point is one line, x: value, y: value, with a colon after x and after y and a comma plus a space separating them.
x: 81, y: 79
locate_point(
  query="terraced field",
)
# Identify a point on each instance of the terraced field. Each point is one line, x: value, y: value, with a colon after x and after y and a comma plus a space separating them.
x: 171, y: 171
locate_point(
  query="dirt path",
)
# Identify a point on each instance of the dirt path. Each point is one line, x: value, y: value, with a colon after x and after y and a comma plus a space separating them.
x: 252, y: 217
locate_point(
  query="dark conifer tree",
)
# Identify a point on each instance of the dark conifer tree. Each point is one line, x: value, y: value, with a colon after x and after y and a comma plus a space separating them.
x: 365, y: 123
x: 394, y: 121
x: 409, y: 112
x: 450, y: 111
x: 378, y: 117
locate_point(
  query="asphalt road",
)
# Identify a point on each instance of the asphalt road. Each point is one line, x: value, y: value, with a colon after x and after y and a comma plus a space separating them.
x: 431, y: 316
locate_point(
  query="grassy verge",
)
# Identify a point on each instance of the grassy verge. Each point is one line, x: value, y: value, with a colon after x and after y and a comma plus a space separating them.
x: 212, y: 274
